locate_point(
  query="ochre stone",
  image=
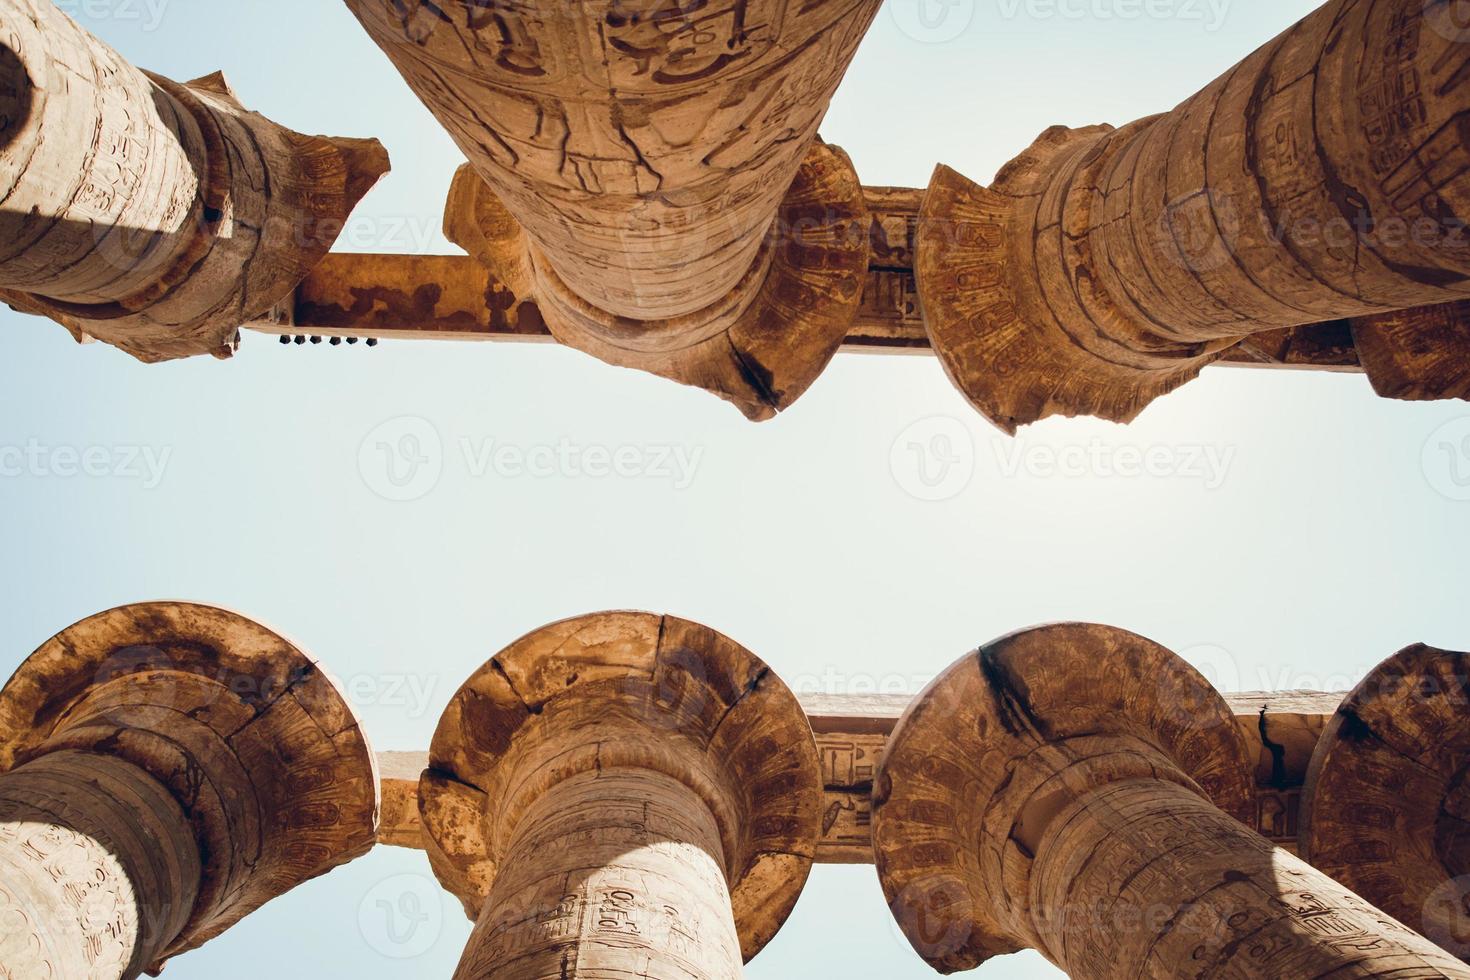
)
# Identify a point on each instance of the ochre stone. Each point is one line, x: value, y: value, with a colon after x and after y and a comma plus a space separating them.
x: 1081, y: 791
x: 1321, y: 178
x: 156, y: 216
x: 1386, y: 809
x: 166, y: 769
x: 651, y: 175
x: 622, y: 795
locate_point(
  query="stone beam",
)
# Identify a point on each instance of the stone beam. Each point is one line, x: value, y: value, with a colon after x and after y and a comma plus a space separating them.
x: 1282, y: 730
x: 1083, y: 792
x: 156, y: 216
x: 458, y: 298
x: 621, y: 794
x: 166, y: 769
x: 651, y: 173
x: 1322, y: 178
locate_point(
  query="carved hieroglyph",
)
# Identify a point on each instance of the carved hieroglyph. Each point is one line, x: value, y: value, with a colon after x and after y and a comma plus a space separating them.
x: 156, y: 216
x: 1385, y: 810
x: 1079, y: 790
x: 166, y: 769
x: 622, y: 795
x: 648, y: 171
x: 852, y: 730
x: 1323, y: 177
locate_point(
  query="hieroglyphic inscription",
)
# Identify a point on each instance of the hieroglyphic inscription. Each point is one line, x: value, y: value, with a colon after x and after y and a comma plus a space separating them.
x: 1083, y: 791
x: 848, y: 765
x: 1106, y: 267
x: 153, y: 215
x: 655, y: 203
x: 133, y: 716
x: 604, y: 873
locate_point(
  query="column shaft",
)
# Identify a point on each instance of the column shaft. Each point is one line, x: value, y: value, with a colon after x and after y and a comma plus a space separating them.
x: 1144, y: 878
x: 99, y: 869
x: 153, y: 215
x: 610, y: 875
x: 644, y: 146
x: 94, y: 217
x: 1321, y: 178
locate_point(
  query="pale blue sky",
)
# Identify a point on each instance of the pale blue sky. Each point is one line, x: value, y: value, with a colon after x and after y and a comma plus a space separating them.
x: 1295, y: 532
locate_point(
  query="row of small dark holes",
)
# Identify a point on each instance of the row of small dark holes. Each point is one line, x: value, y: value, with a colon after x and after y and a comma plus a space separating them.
x: 335, y: 341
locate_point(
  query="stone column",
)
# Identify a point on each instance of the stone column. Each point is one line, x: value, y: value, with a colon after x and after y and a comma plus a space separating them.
x: 1321, y: 178
x: 166, y: 769
x: 154, y: 215
x: 622, y: 795
x: 629, y: 163
x: 1079, y: 790
x: 1386, y: 809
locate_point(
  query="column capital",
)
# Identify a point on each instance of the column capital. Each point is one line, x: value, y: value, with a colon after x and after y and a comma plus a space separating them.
x: 1386, y: 809
x: 245, y: 731
x: 627, y: 690
x: 986, y: 756
x: 154, y: 215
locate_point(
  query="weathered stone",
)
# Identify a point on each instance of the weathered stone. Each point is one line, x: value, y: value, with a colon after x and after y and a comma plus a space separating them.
x: 1322, y: 178
x: 1079, y: 790
x: 166, y: 769
x: 156, y: 216
x: 1386, y: 810
x: 651, y: 175
x: 622, y: 795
